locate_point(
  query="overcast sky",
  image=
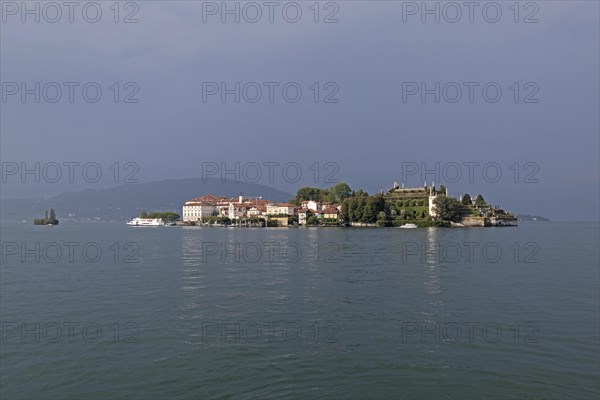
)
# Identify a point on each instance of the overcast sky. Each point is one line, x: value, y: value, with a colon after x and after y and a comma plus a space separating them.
x: 370, y: 125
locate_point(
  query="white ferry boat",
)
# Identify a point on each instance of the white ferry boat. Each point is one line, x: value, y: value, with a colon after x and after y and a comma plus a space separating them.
x: 408, y: 226
x: 146, y: 222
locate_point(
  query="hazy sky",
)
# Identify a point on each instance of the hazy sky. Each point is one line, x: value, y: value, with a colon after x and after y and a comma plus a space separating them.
x: 374, y: 61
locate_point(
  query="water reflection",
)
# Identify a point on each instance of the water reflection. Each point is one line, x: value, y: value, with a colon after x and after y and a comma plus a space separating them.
x: 430, y: 255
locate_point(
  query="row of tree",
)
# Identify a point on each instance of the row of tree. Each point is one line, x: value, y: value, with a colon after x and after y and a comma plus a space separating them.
x: 450, y: 209
x: 365, y: 209
x: 167, y: 216
x: 479, y: 201
x: 335, y: 194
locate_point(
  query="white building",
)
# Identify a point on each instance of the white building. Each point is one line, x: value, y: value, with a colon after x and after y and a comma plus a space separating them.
x: 303, y: 216
x: 311, y: 205
x: 254, y: 212
x: 197, y: 211
x: 238, y: 210
x: 280, y: 209
x: 432, y: 196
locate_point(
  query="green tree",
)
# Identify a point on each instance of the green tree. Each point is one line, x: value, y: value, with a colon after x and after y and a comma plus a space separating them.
x: 344, y: 212
x: 309, y: 193
x: 380, y: 202
x: 447, y: 208
x: 359, y: 210
x: 167, y: 216
x: 143, y: 214
x: 52, y: 215
x: 351, y: 204
x: 370, y: 211
x: 479, y: 201
x: 466, y: 200
x: 312, y: 220
x: 381, y: 218
x: 373, y: 206
x: 340, y: 192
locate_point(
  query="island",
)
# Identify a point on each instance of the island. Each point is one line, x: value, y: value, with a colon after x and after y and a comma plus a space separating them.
x: 339, y: 205
x: 48, y: 219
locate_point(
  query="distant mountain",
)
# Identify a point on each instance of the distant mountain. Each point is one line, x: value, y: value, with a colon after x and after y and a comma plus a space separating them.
x: 126, y: 201
x: 527, y: 217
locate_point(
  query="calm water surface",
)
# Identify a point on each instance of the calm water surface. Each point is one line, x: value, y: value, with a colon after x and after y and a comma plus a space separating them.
x: 102, y: 311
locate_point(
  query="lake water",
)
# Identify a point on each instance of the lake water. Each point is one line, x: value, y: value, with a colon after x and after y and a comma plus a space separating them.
x: 107, y: 311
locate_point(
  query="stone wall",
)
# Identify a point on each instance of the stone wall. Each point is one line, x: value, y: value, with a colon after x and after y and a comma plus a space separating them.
x: 473, y: 221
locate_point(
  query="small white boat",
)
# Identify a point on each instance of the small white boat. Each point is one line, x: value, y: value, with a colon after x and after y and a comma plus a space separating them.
x: 408, y: 226
x: 146, y: 222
